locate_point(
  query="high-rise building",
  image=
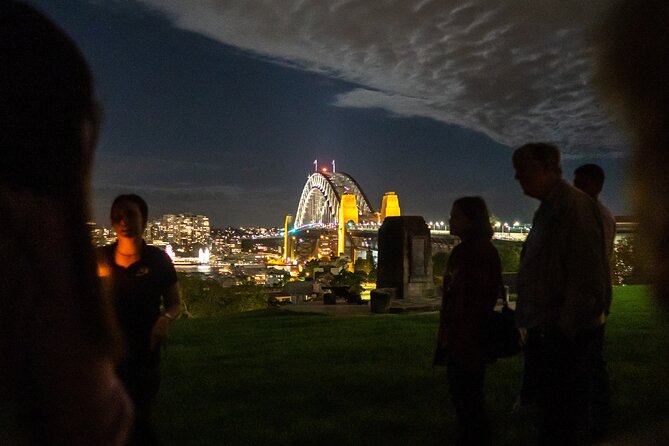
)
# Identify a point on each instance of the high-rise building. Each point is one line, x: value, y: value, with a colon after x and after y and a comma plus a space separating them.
x: 180, y: 229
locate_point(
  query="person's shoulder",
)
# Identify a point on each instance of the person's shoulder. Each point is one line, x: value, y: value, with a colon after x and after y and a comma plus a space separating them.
x: 489, y: 246
x: 488, y: 249
x: 606, y: 212
x: 571, y: 194
x: 161, y: 263
x: 156, y: 255
x: 478, y: 248
x: 576, y: 200
x: 154, y: 252
x: 458, y: 249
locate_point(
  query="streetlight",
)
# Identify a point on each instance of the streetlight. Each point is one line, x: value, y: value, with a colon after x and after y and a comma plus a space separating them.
x: 498, y: 225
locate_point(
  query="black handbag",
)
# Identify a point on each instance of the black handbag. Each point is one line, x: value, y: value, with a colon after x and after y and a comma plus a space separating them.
x: 503, y: 339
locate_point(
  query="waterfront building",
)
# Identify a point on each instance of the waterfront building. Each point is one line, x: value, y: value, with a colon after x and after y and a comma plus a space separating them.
x: 179, y: 230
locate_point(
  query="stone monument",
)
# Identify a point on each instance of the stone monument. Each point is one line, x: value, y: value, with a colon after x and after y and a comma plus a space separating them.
x: 405, y: 257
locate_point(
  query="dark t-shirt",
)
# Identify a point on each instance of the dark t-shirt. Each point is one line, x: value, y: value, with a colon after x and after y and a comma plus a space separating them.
x: 137, y: 295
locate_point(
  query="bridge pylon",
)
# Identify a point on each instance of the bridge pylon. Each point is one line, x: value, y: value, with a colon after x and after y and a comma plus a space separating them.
x: 348, y: 212
x: 288, y: 245
x: 390, y: 206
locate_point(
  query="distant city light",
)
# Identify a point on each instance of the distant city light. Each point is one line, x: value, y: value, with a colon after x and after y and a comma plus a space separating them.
x: 203, y: 256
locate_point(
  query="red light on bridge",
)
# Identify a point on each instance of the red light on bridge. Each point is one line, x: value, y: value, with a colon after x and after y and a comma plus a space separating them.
x: 324, y: 169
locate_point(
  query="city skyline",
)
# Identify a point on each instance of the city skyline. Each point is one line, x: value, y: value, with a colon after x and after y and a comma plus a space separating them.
x: 220, y: 109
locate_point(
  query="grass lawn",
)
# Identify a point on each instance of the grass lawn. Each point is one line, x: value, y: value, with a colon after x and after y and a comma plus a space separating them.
x: 273, y: 377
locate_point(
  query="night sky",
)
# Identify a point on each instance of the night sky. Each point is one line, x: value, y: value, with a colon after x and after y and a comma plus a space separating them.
x: 220, y: 107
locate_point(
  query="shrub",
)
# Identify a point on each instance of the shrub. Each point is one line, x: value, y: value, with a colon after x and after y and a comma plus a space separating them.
x: 509, y: 255
x: 626, y: 264
x: 205, y: 297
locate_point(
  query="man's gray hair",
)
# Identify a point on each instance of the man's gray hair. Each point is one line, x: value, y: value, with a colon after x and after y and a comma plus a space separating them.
x: 545, y: 153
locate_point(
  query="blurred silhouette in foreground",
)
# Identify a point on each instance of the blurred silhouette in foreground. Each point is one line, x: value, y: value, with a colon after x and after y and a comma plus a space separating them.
x: 633, y: 73
x: 472, y: 285
x: 57, y: 380
x: 142, y: 284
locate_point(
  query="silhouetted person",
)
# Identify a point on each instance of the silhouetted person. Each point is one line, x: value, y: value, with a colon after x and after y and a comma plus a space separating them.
x: 590, y: 179
x: 57, y: 344
x: 472, y: 284
x: 562, y: 289
x: 142, y: 284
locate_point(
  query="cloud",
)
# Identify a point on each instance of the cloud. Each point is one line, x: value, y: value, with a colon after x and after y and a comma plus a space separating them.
x: 514, y: 70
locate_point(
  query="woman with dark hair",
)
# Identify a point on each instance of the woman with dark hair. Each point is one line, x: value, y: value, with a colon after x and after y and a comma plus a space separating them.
x: 58, y: 344
x: 472, y: 285
x: 142, y: 285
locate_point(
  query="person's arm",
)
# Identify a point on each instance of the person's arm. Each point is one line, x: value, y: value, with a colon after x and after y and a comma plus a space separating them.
x: 446, y: 286
x: 172, y: 304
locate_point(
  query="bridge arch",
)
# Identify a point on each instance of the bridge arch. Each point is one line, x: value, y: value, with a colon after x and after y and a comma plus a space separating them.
x: 321, y: 198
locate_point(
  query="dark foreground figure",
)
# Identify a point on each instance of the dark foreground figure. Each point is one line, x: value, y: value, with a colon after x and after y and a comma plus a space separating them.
x: 563, y: 290
x: 57, y: 341
x: 472, y: 284
x: 633, y: 71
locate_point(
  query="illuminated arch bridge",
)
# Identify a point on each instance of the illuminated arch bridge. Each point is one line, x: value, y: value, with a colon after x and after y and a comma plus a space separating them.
x: 322, y: 196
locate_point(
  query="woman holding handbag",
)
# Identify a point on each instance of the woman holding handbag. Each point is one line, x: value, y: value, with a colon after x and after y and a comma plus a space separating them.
x: 472, y: 284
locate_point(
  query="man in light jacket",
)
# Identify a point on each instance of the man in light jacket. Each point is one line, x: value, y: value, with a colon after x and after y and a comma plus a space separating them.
x: 562, y: 291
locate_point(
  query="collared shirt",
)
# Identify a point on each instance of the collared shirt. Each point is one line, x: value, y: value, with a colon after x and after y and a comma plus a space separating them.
x: 563, y: 276
x: 137, y: 293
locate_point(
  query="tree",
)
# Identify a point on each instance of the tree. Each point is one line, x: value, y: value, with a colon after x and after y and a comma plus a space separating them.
x: 350, y: 279
x: 308, y: 268
x: 364, y: 265
x: 205, y: 296
x: 626, y: 264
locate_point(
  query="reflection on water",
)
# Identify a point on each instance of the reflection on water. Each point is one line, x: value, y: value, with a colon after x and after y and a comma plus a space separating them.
x: 202, y: 269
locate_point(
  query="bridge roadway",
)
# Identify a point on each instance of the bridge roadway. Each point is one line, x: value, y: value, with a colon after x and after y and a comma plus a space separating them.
x: 308, y: 238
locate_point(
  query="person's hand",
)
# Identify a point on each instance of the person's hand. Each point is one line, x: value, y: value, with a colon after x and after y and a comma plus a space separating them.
x: 159, y: 332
